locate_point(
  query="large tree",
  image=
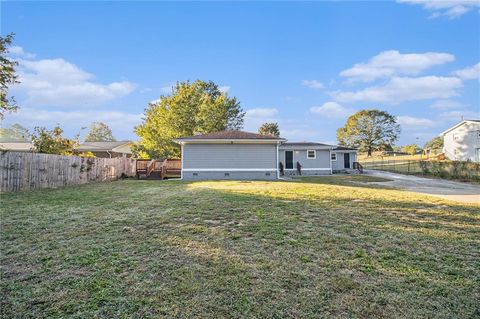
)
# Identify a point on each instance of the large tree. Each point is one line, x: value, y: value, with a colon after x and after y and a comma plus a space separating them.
x: 198, y: 107
x: 99, y: 132
x: 14, y: 133
x: 435, y: 143
x: 52, y: 141
x: 269, y: 129
x: 369, y: 130
x: 7, y: 76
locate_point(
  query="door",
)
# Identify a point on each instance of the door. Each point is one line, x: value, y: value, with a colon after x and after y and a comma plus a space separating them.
x: 477, y: 155
x: 346, y: 160
x: 288, y: 159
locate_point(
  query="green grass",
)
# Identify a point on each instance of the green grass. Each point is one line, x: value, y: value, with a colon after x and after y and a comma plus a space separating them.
x: 319, y: 247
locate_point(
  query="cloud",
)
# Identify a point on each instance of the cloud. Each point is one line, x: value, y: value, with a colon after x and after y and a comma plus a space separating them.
x: 122, y: 123
x: 313, y: 84
x: 449, y: 8
x: 446, y: 104
x: 224, y: 89
x: 332, y: 110
x: 402, y: 89
x: 414, y: 122
x: 56, y: 82
x: 19, y: 52
x: 261, y: 112
x: 456, y: 116
x: 391, y: 63
x: 469, y: 73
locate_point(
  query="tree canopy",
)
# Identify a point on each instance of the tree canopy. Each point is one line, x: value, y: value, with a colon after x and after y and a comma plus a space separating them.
x: 197, y: 107
x: 99, y: 132
x: 7, y: 76
x: 52, y: 141
x: 435, y: 143
x: 369, y: 130
x: 269, y: 129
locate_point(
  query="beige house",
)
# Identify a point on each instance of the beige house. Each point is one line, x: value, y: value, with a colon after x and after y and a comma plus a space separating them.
x: 462, y: 141
x: 16, y: 146
x: 107, y: 149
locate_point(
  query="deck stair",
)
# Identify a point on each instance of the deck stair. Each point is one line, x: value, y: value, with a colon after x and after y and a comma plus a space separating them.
x: 158, y: 169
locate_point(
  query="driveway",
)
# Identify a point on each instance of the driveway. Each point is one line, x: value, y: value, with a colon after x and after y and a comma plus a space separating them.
x: 461, y: 192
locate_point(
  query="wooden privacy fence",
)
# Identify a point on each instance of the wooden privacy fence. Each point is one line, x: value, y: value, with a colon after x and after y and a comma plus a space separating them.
x: 25, y: 171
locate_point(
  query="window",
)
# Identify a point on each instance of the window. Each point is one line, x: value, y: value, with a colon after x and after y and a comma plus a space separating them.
x: 333, y: 157
x: 478, y: 133
x: 455, y: 137
x: 311, y: 154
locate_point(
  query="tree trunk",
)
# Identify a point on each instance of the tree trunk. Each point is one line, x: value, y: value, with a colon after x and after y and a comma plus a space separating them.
x: 369, y: 151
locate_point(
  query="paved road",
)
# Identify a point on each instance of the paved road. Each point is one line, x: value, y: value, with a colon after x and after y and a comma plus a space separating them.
x: 457, y: 191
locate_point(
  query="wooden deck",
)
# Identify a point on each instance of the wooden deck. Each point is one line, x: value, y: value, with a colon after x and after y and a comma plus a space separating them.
x: 158, y: 169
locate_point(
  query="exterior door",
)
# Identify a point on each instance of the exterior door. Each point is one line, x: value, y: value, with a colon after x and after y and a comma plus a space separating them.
x: 288, y: 159
x: 346, y: 160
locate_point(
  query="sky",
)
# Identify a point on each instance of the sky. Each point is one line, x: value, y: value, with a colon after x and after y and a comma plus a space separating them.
x: 306, y: 65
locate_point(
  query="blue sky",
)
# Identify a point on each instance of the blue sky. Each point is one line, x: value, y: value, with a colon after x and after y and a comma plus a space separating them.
x: 306, y: 65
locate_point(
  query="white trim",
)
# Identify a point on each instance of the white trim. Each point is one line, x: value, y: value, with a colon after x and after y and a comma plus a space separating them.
x: 229, y: 169
x: 181, y: 171
x: 333, y: 160
x: 311, y: 169
x: 314, y: 154
x: 331, y: 166
x: 228, y: 141
x: 293, y: 159
x: 455, y: 126
x: 278, y: 163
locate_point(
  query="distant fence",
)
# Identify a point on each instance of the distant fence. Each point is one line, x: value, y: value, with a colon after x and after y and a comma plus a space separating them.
x: 25, y: 171
x: 443, y: 169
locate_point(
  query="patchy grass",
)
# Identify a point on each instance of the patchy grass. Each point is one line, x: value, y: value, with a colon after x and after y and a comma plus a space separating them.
x: 314, y: 248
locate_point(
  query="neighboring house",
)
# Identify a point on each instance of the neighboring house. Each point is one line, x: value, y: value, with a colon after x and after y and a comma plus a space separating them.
x: 16, y: 146
x: 242, y: 155
x: 107, y: 149
x: 462, y: 141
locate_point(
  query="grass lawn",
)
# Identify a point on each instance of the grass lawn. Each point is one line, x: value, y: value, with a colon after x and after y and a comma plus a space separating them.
x: 314, y: 247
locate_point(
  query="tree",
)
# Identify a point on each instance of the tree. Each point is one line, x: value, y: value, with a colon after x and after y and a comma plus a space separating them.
x: 435, y: 143
x: 52, y: 142
x: 99, y: 132
x: 7, y: 76
x: 269, y: 129
x: 369, y: 130
x: 410, y: 149
x: 198, y: 107
x: 14, y: 133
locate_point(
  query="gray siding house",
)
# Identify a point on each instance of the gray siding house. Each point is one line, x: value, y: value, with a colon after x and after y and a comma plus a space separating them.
x: 242, y: 155
x: 462, y: 141
x: 230, y: 155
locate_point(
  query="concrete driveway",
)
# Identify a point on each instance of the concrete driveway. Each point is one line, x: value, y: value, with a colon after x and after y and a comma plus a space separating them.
x: 456, y: 191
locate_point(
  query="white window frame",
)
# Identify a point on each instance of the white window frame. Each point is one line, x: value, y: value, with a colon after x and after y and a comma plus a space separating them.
x: 314, y: 154
x: 333, y: 160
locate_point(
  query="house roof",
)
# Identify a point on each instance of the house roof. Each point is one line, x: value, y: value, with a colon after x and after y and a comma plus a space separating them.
x: 104, y: 146
x: 458, y: 124
x: 229, y: 135
x: 17, y: 146
x: 305, y: 144
x: 343, y: 148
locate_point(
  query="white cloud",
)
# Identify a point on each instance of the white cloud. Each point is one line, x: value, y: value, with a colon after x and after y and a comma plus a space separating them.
x: 261, y: 112
x: 18, y: 51
x: 167, y: 89
x: 456, y: 116
x: 122, y: 123
x: 414, y: 122
x: 449, y: 8
x: 469, y: 73
x: 56, y: 82
x: 224, y: 89
x: 446, y: 104
x: 313, y: 84
x: 332, y: 110
x: 391, y: 63
x: 401, y: 89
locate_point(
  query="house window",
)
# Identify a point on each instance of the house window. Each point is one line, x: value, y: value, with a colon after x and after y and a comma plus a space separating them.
x: 311, y: 154
x: 455, y: 152
x: 333, y: 157
x: 478, y: 134
x: 455, y: 137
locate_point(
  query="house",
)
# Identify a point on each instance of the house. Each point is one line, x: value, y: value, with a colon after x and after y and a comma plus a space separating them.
x: 462, y: 141
x: 107, y: 149
x: 234, y: 154
x: 16, y: 146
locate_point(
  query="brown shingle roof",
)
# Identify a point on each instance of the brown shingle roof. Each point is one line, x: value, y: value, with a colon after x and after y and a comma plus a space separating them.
x: 231, y: 135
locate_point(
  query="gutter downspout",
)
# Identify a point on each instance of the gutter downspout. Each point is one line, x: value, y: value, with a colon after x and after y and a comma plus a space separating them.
x: 181, y: 158
x: 108, y: 152
x: 330, y: 160
x: 276, y: 158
